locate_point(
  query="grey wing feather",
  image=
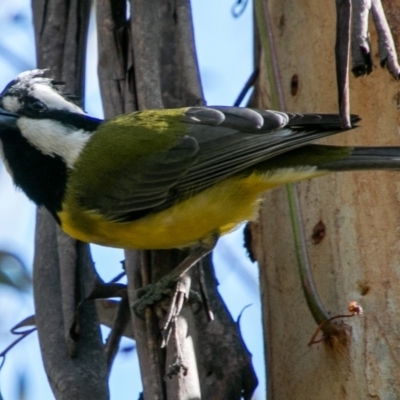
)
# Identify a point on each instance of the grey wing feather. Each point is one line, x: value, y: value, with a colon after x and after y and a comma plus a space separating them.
x: 240, y: 153
x: 231, y: 152
x: 239, y: 119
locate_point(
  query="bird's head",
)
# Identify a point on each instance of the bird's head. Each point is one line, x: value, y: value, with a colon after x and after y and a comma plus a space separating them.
x: 33, y: 95
x: 36, y: 107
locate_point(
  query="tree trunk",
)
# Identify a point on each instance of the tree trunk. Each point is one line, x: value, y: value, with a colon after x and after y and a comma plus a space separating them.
x: 357, y: 254
x: 63, y: 273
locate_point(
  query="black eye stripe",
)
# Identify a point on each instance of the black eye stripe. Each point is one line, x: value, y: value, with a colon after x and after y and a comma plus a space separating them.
x: 32, y: 106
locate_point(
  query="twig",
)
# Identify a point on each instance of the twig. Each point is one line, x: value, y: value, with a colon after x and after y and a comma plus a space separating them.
x: 177, y: 366
x: 104, y: 290
x: 387, y: 50
x: 121, y: 321
x: 23, y: 334
x: 354, y: 309
x: 238, y: 8
x: 28, y: 321
x: 342, y: 55
x: 307, y: 282
x: 247, y: 86
x: 360, y: 43
x: 181, y: 294
x: 118, y: 277
x: 241, y: 313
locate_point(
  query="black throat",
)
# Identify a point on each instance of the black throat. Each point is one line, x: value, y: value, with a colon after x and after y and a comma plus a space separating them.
x: 43, y: 178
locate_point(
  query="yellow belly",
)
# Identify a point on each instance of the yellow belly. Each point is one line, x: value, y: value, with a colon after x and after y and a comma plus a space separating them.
x: 218, y: 209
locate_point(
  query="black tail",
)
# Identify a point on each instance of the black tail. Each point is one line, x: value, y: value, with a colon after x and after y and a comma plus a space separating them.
x: 366, y: 158
x: 320, y: 121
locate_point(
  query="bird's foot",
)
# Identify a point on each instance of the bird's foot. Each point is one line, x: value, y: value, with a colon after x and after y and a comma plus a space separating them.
x: 147, y: 296
x: 152, y: 293
x: 168, y: 313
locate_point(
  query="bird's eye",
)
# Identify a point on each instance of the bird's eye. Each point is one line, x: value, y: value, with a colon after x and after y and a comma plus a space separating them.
x: 37, y: 105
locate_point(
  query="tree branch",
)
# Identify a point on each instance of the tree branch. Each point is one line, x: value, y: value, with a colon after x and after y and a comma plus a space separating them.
x: 63, y: 274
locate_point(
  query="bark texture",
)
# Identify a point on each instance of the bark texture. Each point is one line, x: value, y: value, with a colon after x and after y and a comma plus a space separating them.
x: 63, y: 273
x: 81, y: 373
x: 358, y: 256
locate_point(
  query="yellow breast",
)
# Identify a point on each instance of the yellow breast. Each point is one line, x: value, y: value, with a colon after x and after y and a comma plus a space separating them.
x: 218, y: 210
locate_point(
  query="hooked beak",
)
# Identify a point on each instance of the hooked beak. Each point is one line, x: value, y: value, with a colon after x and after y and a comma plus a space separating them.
x: 7, y: 119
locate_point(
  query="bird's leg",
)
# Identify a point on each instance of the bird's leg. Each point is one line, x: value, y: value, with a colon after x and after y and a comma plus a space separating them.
x: 181, y: 294
x: 154, y: 292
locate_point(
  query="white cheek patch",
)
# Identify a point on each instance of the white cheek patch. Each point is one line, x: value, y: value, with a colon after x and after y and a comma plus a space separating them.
x: 11, y: 103
x: 54, y: 138
x: 52, y: 99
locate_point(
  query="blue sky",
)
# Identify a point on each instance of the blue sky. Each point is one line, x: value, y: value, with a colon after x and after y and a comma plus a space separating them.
x: 224, y: 46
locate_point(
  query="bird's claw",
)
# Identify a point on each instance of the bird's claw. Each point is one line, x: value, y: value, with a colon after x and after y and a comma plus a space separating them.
x: 150, y: 294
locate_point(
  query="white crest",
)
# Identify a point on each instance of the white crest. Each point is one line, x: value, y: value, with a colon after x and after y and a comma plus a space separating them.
x: 33, y: 84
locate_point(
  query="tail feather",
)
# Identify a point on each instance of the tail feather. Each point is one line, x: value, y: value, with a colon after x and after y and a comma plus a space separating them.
x: 366, y: 158
x: 322, y: 121
x: 336, y: 158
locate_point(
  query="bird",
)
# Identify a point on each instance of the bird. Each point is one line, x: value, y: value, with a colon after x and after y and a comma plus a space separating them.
x: 161, y: 179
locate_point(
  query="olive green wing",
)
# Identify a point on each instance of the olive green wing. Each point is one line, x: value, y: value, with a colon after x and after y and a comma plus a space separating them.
x: 131, y: 191
x: 209, y: 144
